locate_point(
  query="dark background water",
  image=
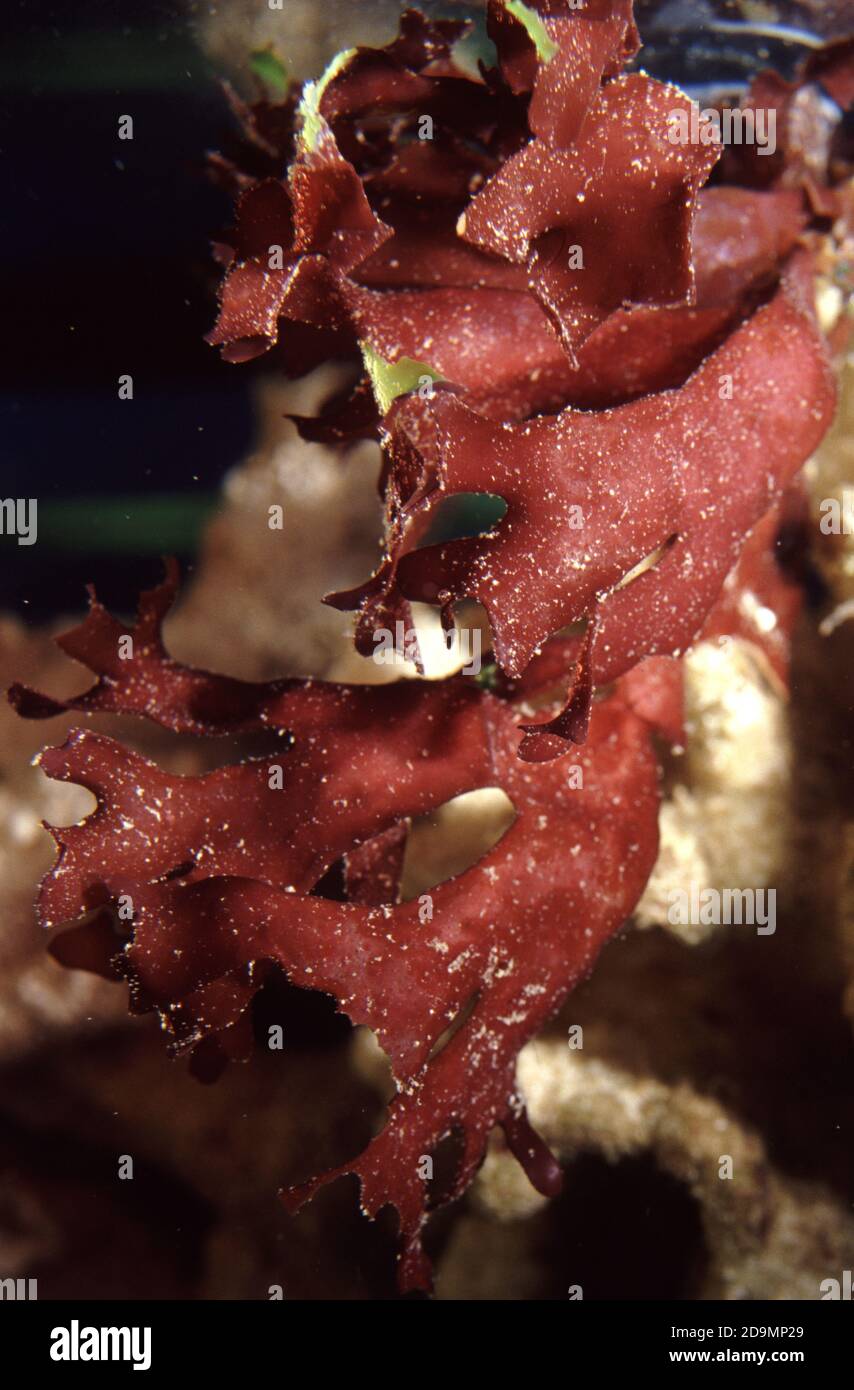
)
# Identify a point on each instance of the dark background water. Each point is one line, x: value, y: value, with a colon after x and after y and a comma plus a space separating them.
x: 105, y: 271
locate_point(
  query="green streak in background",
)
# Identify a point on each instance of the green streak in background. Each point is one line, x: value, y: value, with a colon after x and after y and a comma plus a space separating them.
x: 163, y: 523
x: 107, y: 60
x: 156, y: 524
